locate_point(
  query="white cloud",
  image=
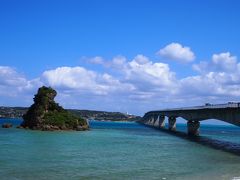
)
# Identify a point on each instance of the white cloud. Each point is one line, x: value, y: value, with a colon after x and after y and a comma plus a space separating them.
x: 9, y: 77
x: 14, y: 87
x: 223, y: 62
x: 68, y: 77
x: 178, y: 52
x: 117, y: 62
x: 142, y: 69
x: 97, y: 60
x: 212, y: 84
x: 81, y: 80
x: 148, y: 76
x: 135, y: 85
x: 219, y: 78
x: 141, y: 59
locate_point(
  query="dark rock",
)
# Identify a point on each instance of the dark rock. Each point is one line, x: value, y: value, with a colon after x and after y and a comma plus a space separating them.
x: 79, y: 128
x: 6, y: 125
x: 46, y: 128
x: 63, y: 127
x: 55, y: 128
x: 19, y: 127
x: 82, y: 128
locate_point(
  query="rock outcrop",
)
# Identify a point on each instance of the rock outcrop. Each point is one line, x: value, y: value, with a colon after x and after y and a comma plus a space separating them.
x: 7, y: 125
x: 46, y: 114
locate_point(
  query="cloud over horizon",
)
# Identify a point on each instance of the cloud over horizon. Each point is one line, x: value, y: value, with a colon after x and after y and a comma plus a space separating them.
x: 135, y: 85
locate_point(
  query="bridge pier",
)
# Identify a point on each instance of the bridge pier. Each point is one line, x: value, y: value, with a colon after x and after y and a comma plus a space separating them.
x: 172, y: 123
x: 152, y: 120
x: 193, y: 128
x: 149, y: 120
x: 156, y: 120
x: 161, y: 121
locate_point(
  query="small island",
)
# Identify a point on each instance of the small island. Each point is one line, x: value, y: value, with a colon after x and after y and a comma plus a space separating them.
x: 45, y: 114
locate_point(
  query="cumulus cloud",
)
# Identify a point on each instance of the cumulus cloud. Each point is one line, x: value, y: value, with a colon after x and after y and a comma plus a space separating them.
x: 144, y: 75
x: 68, y: 77
x: 117, y: 62
x: 82, y: 80
x: 178, y: 52
x: 9, y: 77
x: 213, y: 84
x: 223, y: 62
x: 148, y: 76
x: 96, y: 60
x: 219, y: 78
x: 12, y: 82
x: 13, y: 85
x: 134, y: 85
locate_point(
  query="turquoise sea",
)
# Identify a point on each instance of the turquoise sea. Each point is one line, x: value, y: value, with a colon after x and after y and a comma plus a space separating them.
x: 116, y: 150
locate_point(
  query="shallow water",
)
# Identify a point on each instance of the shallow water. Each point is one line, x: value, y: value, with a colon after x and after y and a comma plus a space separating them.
x: 119, y: 150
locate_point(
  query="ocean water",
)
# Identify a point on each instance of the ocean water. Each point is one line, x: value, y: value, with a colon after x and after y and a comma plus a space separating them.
x: 115, y: 150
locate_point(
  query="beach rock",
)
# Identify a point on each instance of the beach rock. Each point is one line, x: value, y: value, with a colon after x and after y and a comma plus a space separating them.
x: 19, y: 127
x: 79, y: 128
x: 82, y: 128
x: 46, y: 115
x: 7, y: 125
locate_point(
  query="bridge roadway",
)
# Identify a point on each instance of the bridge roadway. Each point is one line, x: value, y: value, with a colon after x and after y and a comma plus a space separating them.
x: 229, y: 113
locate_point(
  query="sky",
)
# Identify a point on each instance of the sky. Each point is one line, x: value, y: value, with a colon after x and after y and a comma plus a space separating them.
x: 128, y: 56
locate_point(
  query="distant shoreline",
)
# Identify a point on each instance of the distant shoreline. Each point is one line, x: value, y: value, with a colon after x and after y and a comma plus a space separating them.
x: 17, y: 112
x: 100, y: 120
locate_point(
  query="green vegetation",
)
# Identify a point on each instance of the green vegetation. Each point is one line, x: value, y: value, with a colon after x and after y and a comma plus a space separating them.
x: 63, y: 119
x: 103, y: 115
x: 46, y: 114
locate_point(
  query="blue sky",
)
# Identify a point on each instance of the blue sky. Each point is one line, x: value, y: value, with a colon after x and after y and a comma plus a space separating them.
x: 120, y: 55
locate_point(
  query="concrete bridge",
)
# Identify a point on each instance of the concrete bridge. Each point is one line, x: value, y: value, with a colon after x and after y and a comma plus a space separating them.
x: 229, y: 113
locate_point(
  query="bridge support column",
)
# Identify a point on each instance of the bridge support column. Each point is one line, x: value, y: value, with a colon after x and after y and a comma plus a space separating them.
x: 156, y: 120
x: 172, y: 123
x: 161, y: 121
x: 193, y: 128
x: 147, y: 120
x: 150, y: 120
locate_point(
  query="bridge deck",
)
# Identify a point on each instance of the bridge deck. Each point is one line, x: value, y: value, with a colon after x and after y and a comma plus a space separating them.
x: 229, y: 112
x: 207, y: 106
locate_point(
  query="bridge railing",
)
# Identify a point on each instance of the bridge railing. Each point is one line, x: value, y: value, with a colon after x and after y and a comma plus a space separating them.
x: 207, y: 106
x: 227, y: 105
